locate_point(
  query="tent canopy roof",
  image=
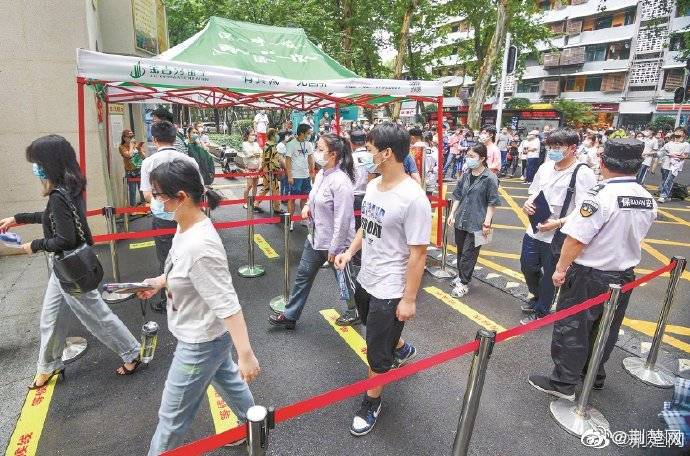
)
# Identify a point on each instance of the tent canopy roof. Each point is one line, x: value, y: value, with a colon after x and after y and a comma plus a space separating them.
x: 232, y: 63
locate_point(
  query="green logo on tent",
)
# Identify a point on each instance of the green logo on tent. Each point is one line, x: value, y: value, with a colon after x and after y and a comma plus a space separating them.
x: 137, y: 71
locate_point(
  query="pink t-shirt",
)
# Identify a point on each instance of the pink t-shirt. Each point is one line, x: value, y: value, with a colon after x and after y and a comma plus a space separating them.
x: 493, y: 158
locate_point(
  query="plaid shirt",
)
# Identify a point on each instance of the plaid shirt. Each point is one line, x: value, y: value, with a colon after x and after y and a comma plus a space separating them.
x: 676, y: 413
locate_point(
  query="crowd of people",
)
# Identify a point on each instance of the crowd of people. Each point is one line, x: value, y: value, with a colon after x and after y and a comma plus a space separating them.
x: 367, y: 209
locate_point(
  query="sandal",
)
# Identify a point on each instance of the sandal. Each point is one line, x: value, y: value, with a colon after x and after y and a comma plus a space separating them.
x: 59, y: 372
x: 137, y: 363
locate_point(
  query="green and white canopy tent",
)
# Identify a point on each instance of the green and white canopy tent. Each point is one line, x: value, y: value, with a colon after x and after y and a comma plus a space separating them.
x: 231, y: 63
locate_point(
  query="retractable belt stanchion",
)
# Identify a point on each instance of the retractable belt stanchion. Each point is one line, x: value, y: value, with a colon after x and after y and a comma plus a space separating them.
x: 279, y: 302
x: 109, y: 213
x: 440, y: 272
x: 270, y: 176
x: 251, y: 270
x: 128, y: 202
x: 647, y: 370
x: 579, y: 417
x: 473, y: 392
x: 259, y: 422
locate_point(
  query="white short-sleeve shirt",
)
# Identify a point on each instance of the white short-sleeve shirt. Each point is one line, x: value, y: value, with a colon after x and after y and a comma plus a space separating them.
x: 392, y: 221
x: 163, y: 155
x: 612, y: 221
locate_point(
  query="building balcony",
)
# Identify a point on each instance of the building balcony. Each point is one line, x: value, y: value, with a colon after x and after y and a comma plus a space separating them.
x: 590, y: 8
x: 679, y: 23
x: 592, y: 97
x: 671, y: 59
x: 605, y: 66
x: 533, y: 97
x: 607, y: 35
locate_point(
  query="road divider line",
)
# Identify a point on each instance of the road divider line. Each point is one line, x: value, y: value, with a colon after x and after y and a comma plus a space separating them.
x: 648, y: 328
x: 479, y: 318
x: 513, y: 205
x: 348, y: 334
x: 223, y: 416
x: 665, y: 242
x: 27, y: 431
x: 265, y: 247
x: 490, y: 253
x: 675, y: 218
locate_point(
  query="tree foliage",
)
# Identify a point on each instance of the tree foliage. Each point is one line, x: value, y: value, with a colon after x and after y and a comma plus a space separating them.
x: 576, y: 114
x: 518, y: 103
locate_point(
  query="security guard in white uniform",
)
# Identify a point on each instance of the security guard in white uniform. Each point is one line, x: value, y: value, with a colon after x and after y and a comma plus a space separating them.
x: 602, y: 247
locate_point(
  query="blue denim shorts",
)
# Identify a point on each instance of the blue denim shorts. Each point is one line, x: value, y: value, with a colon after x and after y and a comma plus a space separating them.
x: 301, y: 186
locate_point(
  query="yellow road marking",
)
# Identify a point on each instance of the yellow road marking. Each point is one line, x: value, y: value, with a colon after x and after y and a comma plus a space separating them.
x: 141, y: 245
x: 27, y: 432
x: 265, y: 246
x: 519, y: 197
x: 661, y: 257
x: 514, y: 206
x: 495, y: 266
x: 667, y: 208
x: 508, y: 227
x: 665, y: 242
x: 649, y: 271
x: 223, y: 417
x: 648, y: 328
x: 481, y: 319
x: 490, y: 253
x: 674, y: 217
x: 349, y: 334
x: 515, y: 188
x: 667, y: 223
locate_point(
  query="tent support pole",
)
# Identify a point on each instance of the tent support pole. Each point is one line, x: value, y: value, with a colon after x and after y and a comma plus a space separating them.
x: 82, y: 128
x: 337, y: 118
x: 439, y: 129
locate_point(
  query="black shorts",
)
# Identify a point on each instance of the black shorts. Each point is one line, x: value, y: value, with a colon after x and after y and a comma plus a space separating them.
x: 383, y: 328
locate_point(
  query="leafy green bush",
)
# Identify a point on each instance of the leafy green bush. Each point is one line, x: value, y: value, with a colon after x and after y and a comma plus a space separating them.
x: 518, y: 103
x: 662, y: 123
x: 243, y: 125
x: 576, y: 114
x: 234, y: 141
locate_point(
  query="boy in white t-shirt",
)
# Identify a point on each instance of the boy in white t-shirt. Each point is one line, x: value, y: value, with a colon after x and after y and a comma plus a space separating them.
x: 395, y: 231
x: 261, y: 127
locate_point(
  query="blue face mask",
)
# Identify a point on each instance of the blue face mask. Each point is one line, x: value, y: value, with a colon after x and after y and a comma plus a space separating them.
x: 555, y: 154
x: 472, y: 163
x: 39, y: 171
x: 158, y: 210
x: 368, y: 162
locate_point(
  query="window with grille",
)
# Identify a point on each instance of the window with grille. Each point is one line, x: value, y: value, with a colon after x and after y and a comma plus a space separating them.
x: 549, y: 87
x: 593, y: 83
x: 613, y: 82
x: 595, y: 53
x: 552, y: 59
x: 618, y: 51
x: 573, y: 56
x: 674, y: 78
x: 531, y: 86
x: 574, y: 26
x: 603, y: 22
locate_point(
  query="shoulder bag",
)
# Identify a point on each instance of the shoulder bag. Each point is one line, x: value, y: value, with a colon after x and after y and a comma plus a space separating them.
x: 558, y: 237
x: 78, y: 270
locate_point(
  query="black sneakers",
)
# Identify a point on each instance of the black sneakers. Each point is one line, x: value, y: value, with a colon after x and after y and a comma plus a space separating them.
x: 545, y: 385
x: 366, y: 417
x: 280, y: 320
x: 349, y: 318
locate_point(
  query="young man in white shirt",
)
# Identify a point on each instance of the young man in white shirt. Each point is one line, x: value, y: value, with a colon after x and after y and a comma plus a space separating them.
x: 537, y: 259
x: 673, y: 154
x: 164, y: 134
x: 531, y: 147
x: 299, y: 165
x: 651, y: 148
x: 261, y: 127
x: 395, y: 231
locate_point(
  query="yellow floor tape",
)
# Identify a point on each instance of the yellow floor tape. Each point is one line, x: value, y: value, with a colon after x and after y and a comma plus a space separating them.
x: 141, y: 245
x: 223, y: 417
x: 265, y: 246
x: 27, y: 432
x: 649, y: 327
x: 349, y: 334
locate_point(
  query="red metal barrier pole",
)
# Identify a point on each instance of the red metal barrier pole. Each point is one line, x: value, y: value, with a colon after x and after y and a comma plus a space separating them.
x: 82, y: 128
x: 337, y: 118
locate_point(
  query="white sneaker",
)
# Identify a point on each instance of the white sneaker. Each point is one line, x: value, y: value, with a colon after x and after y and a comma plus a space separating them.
x: 456, y: 281
x: 460, y: 291
x: 522, y: 178
x: 292, y: 226
x: 662, y: 200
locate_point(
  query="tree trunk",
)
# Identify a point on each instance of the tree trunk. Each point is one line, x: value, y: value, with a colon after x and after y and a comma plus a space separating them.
x: 346, y: 32
x: 483, y: 80
x: 402, y: 48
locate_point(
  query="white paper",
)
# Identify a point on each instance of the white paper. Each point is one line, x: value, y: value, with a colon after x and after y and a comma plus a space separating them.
x: 480, y: 239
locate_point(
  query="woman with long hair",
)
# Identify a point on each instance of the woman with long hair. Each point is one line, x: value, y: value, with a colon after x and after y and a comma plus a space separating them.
x: 202, y: 308
x: 251, y: 153
x: 55, y: 164
x: 132, y: 156
x: 331, y: 229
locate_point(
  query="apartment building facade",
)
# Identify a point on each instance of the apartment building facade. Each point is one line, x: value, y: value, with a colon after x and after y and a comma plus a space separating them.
x: 620, y: 56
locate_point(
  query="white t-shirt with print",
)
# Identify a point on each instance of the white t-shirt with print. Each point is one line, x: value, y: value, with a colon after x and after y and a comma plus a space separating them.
x: 298, y: 151
x: 554, y: 184
x: 199, y: 285
x: 391, y: 222
x: 651, y: 146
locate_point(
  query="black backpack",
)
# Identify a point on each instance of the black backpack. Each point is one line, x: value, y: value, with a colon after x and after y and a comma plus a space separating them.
x: 679, y: 191
x: 207, y: 167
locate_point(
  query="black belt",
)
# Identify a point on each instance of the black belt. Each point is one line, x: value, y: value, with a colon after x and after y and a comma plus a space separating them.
x: 590, y: 270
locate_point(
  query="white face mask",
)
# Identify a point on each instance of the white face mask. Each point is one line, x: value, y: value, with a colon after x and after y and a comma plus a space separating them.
x: 320, y: 158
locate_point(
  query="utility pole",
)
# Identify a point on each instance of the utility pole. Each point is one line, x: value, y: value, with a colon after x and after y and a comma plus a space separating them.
x: 501, y: 88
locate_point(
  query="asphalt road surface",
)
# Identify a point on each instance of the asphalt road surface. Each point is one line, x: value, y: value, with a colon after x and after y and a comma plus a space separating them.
x: 95, y: 412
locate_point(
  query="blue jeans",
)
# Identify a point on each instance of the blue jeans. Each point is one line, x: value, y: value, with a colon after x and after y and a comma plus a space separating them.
x: 538, y: 265
x: 532, y: 167
x: 666, y: 182
x: 132, y: 189
x: 193, y: 368
x: 454, y: 162
x: 309, y: 266
x: 301, y: 186
x: 642, y: 174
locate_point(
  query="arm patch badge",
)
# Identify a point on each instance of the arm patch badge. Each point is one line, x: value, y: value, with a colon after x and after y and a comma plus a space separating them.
x: 588, y: 208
